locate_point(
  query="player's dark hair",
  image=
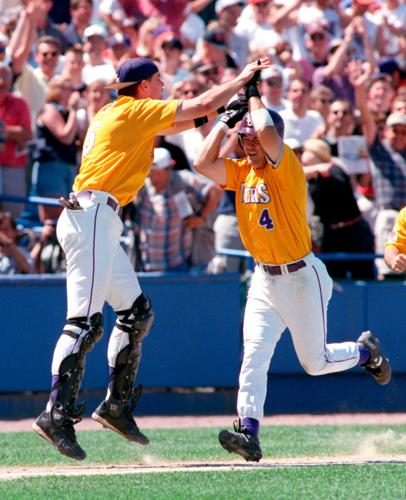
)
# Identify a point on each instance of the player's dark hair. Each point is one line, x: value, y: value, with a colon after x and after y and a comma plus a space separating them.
x: 128, y: 91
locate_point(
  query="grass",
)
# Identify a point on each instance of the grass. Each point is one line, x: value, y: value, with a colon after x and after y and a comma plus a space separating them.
x: 370, y: 480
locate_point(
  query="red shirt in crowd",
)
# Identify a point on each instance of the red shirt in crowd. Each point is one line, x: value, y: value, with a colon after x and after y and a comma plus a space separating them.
x: 14, y: 111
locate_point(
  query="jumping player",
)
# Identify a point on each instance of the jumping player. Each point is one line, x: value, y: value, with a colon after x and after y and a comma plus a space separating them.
x: 117, y: 156
x: 290, y: 286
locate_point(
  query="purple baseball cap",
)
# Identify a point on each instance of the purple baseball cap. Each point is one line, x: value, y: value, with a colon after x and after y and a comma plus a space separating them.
x: 133, y: 71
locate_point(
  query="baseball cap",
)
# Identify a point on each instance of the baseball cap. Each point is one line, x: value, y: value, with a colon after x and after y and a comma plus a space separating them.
x: 253, y: 2
x: 223, y: 4
x: 162, y: 159
x: 119, y: 39
x: 132, y: 71
x: 396, y: 119
x: 273, y: 71
x: 94, y: 30
x: 364, y: 2
x: 216, y: 36
x: 247, y: 128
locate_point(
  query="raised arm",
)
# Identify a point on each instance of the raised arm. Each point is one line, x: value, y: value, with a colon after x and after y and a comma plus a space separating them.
x: 359, y: 74
x: 215, y: 98
x: 208, y: 162
x: 23, y: 38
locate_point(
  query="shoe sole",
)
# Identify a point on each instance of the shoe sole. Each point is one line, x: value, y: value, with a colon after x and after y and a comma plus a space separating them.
x: 43, y: 435
x: 378, y: 377
x: 107, y: 425
x: 368, y: 338
x: 230, y: 443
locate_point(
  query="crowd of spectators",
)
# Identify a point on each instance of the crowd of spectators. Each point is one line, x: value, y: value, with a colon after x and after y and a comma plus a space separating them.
x: 338, y: 79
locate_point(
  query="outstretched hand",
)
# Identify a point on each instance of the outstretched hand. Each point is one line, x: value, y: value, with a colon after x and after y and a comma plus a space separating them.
x: 253, y: 70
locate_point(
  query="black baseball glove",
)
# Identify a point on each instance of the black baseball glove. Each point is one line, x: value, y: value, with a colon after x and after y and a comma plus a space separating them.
x: 235, y: 110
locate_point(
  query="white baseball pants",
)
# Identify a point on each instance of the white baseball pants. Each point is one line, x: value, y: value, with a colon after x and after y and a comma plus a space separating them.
x: 297, y: 301
x: 98, y: 270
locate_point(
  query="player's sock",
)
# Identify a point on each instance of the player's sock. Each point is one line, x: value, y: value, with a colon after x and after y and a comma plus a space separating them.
x: 363, y: 355
x: 251, y: 424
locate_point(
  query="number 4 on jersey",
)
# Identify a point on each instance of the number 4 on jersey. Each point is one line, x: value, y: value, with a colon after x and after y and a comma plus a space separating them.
x: 265, y: 219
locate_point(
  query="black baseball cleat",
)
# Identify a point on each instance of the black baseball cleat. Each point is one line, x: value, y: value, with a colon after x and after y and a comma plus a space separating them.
x: 116, y: 415
x: 242, y: 442
x: 57, y: 429
x: 377, y: 365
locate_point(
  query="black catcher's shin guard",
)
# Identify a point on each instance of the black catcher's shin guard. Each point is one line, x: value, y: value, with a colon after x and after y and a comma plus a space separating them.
x: 65, y: 390
x: 137, y: 322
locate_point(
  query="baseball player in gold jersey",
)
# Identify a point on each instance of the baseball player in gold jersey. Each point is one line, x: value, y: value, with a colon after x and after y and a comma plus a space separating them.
x: 290, y: 286
x: 395, y: 248
x: 117, y: 156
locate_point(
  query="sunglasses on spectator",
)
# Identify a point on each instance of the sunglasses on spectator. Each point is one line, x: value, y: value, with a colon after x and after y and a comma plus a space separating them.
x: 317, y: 37
x: 274, y: 83
x: 208, y: 72
x: 52, y: 54
x: 344, y: 112
x: 261, y: 4
x: 325, y: 101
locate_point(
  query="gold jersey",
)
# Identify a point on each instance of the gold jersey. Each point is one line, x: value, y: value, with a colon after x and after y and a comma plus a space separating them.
x: 271, y: 208
x: 119, y: 145
x: 397, y: 237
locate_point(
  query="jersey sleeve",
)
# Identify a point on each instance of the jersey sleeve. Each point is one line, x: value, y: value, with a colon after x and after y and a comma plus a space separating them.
x: 155, y: 115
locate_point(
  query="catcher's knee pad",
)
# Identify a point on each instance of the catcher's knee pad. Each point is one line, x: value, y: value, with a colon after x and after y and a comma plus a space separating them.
x: 136, y: 321
x: 72, y: 367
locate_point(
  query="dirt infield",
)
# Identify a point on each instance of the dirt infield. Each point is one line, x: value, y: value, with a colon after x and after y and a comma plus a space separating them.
x: 149, y: 464
x: 230, y: 465
x: 165, y: 422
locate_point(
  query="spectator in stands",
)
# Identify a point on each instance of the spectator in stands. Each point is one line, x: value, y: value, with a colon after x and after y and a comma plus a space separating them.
x: 81, y: 14
x: 32, y: 83
x: 399, y: 105
x: 300, y: 121
x: 15, y: 132
x: 334, y: 74
x: 380, y: 94
x: 255, y: 25
x: 215, y: 50
x: 169, y: 207
x: 271, y: 88
x: 320, y: 99
x: 388, y: 155
x: 169, y: 53
x: 46, y: 253
x: 340, y: 121
x: 391, y: 19
x: 119, y: 49
x: 228, y: 12
x: 55, y: 164
x: 96, y: 66
x: 73, y: 64
x: 44, y: 24
x: 95, y: 96
x: 345, y: 230
x: 14, y: 259
x: 317, y: 41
